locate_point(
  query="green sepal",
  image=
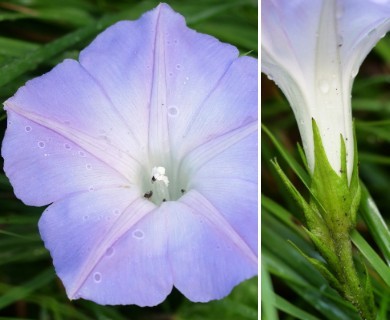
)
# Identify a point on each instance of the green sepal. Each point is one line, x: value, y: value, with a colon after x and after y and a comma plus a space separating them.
x: 369, y: 292
x: 336, y: 198
x: 313, y: 219
x: 324, y: 247
x: 303, y: 156
x: 322, y: 268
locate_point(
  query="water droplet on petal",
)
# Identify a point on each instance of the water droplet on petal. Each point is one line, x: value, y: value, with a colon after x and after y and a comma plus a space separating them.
x: 27, y: 128
x: 91, y: 188
x: 324, y: 86
x: 41, y: 144
x: 178, y: 66
x: 88, y: 166
x: 173, y: 111
x: 82, y: 153
x: 117, y: 212
x: 67, y: 146
x: 138, y: 234
x: 110, y: 252
x: 86, y: 217
x: 97, y: 277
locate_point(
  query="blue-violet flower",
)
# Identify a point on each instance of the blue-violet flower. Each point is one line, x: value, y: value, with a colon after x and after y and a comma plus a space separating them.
x: 146, y: 151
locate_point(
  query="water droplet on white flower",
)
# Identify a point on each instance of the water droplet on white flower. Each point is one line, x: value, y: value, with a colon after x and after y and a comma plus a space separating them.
x: 88, y: 166
x: 173, y: 111
x: 91, y: 188
x: 27, y: 128
x: 117, y: 212
x: 41, y: 144
x: 138, y: 234
x: 82, y: 153
x: 324, y: 86
x: 178, y: 66
x: 86, y: 217
x: 67, y: 146
x: 97, y: 277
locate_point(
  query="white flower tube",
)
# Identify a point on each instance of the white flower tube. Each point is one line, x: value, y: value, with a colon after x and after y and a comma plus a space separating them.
x: 313, y: 49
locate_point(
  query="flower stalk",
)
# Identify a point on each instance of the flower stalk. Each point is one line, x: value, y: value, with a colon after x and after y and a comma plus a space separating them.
x: 330, y: 217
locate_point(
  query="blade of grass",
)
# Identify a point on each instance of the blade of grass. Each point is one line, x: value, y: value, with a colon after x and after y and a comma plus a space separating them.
x: 375, y: 223
x: 20, y: 292
x: 292, y: 310
x: 372, y: 257
x: 268, y: 297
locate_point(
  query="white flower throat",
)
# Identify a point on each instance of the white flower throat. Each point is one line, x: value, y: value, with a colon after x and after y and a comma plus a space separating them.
x: 159, y: 191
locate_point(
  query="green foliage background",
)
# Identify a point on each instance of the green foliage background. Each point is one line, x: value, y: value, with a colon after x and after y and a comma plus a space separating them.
x: 35, y: 35
x: 291, y: 287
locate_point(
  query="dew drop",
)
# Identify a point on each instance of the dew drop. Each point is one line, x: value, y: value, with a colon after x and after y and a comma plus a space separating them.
x: 82, y: 153
x: 41, y: 144
x: 178, y: 66
x: 9, y: 123
x: 138, y: 234
x: 91, y: 188
x: 175, y: 41
x: 97, y: 277
x: 187, y: 78
x: 67, y: 146
x: 110, y: 252
x: 324, y: 86
x: 170, y: 74
x: 88, y: 166
x: 173, y: 111
x: 86, y: 217
x: 27, y: 128
x: 117, y: 212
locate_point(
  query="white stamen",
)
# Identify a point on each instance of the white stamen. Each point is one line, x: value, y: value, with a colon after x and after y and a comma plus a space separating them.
x: 158, y: 173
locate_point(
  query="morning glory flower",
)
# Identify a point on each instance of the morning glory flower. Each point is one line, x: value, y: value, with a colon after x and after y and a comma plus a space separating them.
x: 145, y: 151
x: 313, y: 49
